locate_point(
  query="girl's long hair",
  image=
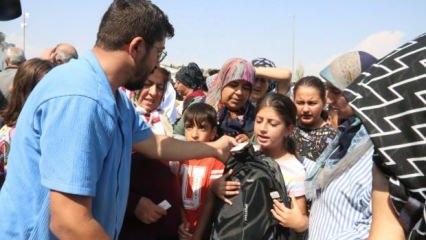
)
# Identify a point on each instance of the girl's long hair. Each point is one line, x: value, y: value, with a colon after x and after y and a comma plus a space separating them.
x: 27, y: 76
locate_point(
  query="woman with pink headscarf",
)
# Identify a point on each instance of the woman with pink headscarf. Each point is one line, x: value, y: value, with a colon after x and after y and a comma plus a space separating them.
x: 229, y: 93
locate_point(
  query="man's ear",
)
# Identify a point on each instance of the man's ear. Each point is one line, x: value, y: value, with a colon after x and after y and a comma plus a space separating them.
x: 137, y: 46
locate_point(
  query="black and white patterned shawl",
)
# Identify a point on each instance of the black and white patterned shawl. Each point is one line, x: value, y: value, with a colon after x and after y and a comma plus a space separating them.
x: 390, y: 98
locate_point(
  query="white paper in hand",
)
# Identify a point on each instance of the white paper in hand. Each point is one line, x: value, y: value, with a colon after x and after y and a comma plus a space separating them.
x: 239, y: 147
x: 164, y: 205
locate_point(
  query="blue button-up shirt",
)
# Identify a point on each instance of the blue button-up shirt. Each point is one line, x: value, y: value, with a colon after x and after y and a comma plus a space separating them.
x: 74, y: 135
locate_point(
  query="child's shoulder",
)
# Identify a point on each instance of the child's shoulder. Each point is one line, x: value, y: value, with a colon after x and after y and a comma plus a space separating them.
x: 203, y: 161
x: 291, y: 163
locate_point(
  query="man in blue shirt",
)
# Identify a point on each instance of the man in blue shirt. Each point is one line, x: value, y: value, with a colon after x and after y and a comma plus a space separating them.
x: 69, y: 164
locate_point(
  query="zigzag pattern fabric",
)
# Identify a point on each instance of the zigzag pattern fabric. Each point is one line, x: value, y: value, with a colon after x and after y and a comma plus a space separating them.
x: 390, y: 98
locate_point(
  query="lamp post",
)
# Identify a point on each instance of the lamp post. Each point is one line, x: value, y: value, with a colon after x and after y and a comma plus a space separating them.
x: 24, y: 24
x: 293, y: 44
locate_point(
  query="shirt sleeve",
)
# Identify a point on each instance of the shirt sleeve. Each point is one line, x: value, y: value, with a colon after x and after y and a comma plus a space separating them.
x: 217, y: 170
x: 295, y: 179
x: 75, y: 137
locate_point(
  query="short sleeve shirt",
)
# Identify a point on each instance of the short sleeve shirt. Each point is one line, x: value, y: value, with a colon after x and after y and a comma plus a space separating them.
x: 294, y: 176
x: 196, y: 176
x: 74, y: 135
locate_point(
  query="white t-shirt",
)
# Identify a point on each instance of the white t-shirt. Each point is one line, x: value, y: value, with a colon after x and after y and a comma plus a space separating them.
x: 294, y: 176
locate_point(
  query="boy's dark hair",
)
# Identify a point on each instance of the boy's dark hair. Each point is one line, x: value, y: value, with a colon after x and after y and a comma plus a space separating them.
x: 286, y: 109
x: 199, y: 113
x: 127, y: 19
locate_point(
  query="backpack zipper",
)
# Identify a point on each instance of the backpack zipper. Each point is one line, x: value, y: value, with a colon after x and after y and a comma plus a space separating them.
x: 245, y: 213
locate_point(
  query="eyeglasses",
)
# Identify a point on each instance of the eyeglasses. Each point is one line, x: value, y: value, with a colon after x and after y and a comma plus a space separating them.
x: 161, y: 56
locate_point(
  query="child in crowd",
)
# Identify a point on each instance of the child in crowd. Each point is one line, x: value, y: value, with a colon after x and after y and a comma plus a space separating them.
x: 269, y: 78
x: 312, y: 134
x: 274, y: 123
x: 27, y: 77
x: 197, y: 174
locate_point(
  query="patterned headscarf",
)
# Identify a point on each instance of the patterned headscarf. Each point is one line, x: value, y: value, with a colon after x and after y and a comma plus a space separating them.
x: 233, y: 70
x: 390, y: 100
x: 345, y: 68
x: 264, y: 62
x: 191, y: 76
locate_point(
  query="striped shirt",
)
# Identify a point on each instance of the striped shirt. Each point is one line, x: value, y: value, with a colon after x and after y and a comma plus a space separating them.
x: 342, y: 210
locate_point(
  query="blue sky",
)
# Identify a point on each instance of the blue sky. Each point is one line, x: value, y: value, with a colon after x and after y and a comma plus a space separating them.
x: 209, y: 32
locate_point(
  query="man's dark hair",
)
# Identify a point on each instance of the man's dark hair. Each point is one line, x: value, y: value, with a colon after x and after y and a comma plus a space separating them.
x: 127, y: 19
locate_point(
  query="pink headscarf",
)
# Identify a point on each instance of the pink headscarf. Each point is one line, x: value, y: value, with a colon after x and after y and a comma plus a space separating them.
x: 233, y: 70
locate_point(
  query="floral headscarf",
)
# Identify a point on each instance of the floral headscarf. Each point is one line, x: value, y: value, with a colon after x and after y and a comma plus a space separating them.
x: 233, y: 70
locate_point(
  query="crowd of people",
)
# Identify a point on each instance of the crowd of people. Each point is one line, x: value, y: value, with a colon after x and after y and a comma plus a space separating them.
x: 92, y: 145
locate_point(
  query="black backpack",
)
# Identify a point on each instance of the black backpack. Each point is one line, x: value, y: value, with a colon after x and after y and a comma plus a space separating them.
x: 249, y: 216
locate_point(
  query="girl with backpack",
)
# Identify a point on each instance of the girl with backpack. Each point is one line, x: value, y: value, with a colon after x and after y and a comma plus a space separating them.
x: 274, y: 122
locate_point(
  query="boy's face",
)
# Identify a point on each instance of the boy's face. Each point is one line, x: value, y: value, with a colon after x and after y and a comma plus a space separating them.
x: 201, y: 133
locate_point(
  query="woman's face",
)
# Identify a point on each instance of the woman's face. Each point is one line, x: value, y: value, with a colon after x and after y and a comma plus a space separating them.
x: 309, y: 106
x: 235, y: 95
x: 152, y: 91
x: 260, y: 88
x: 338, y: 102
x: 181, y: 89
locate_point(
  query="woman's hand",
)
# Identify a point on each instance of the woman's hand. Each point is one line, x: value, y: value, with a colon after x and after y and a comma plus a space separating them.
x: 148, y: 212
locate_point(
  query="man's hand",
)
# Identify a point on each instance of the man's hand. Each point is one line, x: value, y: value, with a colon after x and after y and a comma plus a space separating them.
x: 223, y: 146
x: 170, y: 149
x: 224, y: 189
x: 148, y: 212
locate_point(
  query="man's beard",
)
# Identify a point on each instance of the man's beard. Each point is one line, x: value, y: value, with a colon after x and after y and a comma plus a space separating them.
x: 137, y: 82
x: 139, y: 77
